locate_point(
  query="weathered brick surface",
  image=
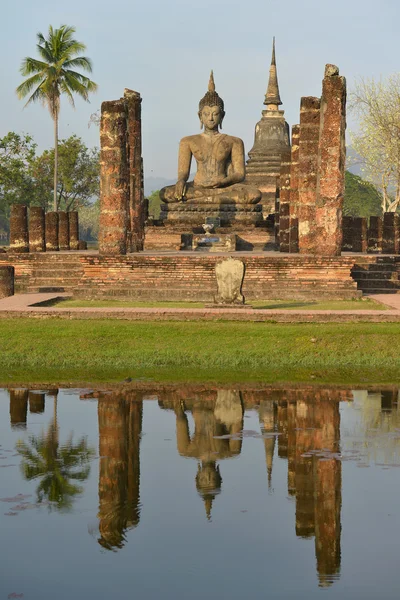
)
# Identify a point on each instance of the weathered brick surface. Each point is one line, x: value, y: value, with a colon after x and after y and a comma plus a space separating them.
x: 63, y: 230
x: 73, y: 222
x: 347, y: 234
x: 359, y: 234
x: 184, y: 276
x: 36, y: 229
x: 6, y: 281
x: 391, y: 233
x: 331, y: 164
x: 114, y: 179
x: 294, y: 191
x: 51, y: 231
x: 19, y: 237
x: 374, y: 234
x: 307, y: 172
x: 284, y: 202
x: 137, y: 206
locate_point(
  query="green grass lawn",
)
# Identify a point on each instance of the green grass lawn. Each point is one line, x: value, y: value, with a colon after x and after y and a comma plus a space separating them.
x: 362, y: 304
x: 94, y: 351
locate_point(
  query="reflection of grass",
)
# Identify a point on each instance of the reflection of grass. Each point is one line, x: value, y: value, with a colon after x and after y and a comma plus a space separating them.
x: 362, y: 304
x: 105, y: 350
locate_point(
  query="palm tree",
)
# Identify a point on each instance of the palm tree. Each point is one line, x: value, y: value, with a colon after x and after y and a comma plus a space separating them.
x: 54, y: 75
x: 56, y: 466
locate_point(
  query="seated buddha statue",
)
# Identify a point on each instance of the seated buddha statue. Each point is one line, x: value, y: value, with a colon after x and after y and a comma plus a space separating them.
x: 217, y: 189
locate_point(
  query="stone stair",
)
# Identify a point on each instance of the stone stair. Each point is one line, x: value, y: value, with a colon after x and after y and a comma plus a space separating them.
x: 380, y: 277
x: 54, y: 273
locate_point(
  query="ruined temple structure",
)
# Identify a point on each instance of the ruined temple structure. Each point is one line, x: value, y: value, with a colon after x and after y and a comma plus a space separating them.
x: 316, y: 175
x: 122, y: 203
x: 271, y: 140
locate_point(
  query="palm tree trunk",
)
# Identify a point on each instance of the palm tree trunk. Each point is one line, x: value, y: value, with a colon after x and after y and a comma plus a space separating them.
x: 55, y: 159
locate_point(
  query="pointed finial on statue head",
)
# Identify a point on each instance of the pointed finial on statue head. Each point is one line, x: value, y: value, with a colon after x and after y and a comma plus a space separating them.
x: 211, y: 83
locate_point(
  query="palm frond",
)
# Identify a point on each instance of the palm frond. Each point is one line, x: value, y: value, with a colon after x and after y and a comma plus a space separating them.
x: 32, y: 65
x: 27, y: 86
x: 81, y: 61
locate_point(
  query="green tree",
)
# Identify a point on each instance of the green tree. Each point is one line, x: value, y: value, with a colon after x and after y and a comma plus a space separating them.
x: 56, y: 466
x: 89, y: 221
x: 361, y: 198
x: 78, y: 174
x: 377, y: 141
x: 155, y: 204
x: 17, y: 153
x: 54, y: 75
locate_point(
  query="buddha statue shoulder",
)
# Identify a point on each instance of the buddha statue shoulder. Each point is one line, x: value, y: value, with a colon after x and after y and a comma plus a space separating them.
x: 220, y: 161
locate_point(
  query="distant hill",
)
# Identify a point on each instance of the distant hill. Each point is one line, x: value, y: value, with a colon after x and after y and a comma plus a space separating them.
x: 152, y: 184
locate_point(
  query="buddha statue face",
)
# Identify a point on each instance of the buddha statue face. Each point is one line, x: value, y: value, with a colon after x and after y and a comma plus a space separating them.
x: 211, y: 117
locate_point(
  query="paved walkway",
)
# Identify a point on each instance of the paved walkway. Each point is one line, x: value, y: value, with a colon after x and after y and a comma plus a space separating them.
x: 39, y: 306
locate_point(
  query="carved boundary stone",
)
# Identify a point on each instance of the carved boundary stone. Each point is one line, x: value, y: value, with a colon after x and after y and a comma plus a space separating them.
x: 391, y: 233
x: 230, y: 275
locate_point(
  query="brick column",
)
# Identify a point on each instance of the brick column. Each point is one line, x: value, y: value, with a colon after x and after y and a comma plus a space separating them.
x: 6, y: 281
x: 63, y: 230
x: 36, y: 229
x: 374, y: 234
x: 276, y: 212
x: 347, y: 238
x: 73, y: 221
x: 137, y: 215
x: 331, y: 164
x: 391, y: 233
x: 114, y: 179
x: 19, y: 237
x: 359, y: 234
x: 51, y: 234
x: 308, y: 167
x: 284, y: 202
x: 294, y: 191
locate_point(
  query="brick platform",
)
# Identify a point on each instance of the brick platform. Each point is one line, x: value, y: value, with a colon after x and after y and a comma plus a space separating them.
x: 183, y: 276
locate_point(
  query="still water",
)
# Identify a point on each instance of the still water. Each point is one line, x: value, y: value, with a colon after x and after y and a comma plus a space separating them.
x: 199, y: 493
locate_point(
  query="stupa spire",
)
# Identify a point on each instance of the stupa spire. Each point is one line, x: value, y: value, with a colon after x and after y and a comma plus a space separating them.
x: 272, y: 98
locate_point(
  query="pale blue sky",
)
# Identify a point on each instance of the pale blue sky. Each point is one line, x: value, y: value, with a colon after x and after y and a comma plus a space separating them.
x: 165, y: 50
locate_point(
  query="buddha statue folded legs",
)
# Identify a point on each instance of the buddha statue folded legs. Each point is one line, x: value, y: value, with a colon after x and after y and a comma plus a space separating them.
x: 217, y: 189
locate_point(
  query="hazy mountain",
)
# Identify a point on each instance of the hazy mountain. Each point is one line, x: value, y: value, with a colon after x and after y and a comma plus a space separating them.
x: 151, y: 184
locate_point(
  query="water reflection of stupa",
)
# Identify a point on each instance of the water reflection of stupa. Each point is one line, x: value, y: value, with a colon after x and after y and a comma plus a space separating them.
x: 120, y: 427
x: 214, y: 417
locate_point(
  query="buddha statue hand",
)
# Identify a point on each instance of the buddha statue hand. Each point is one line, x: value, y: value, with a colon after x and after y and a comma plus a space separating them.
x: 180, y: 189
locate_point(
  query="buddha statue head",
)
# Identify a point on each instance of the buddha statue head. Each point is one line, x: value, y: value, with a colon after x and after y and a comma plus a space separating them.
x: 211, y: 108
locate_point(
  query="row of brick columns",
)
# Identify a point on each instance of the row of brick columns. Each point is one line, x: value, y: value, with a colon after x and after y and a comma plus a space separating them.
x: 380, y: 234
x: 122, y: 203
x: 42, y: 231
x: 312, y: 177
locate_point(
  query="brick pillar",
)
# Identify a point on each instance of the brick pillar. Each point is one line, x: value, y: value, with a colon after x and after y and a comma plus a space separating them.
x: 276, y: 213
x: 374, y: 234
x: 51, y: 226
x: 359, y: 234
x: 36, y: 402
x: 114, y: 179
x: 391, y: 233
x: 36, y: 229
x: 308, y: 168
x: 347, y: 238
x: 6, y: 281
x: 294, y: 191
x: 284, y: 202
x: 137, y: 211
x: 63, y: 230
x: 73, y: 221
x: 19, y: 237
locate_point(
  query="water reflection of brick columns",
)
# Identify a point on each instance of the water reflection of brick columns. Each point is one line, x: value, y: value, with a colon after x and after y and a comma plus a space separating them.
x: 18, y: 408
x: 120, y: 427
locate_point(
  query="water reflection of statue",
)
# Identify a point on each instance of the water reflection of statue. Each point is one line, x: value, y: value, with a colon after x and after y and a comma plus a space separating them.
x: 212, y: 419
x: 220, y: 172
x: 120, y: 427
